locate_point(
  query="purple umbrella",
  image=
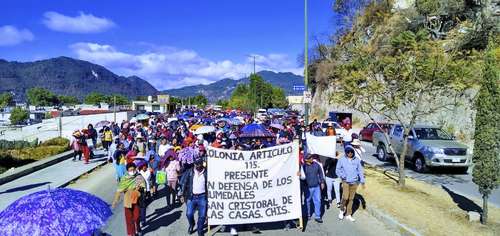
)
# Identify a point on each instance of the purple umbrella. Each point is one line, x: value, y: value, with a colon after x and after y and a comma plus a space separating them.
x: 164, y: 158
x: 187, y: 155
x: 61, y: 211
x: 255, y: 131
x: 139, y: 161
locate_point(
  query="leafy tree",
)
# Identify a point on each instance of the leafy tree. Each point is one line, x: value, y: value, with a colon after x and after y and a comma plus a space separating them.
x: 258, y: 93
x: 199, y: 100
x: 18, y: 115
x: 68, y: 100
x: 175, y: 100
x: 120, y: 99
x: 223, y: 103
x: 240, y: 98
x: 278, y: 98
x: 6, y: 99
x: 95, y: 98
x: 486, y: 172
x: 41, y: 97
x: 415, y: 79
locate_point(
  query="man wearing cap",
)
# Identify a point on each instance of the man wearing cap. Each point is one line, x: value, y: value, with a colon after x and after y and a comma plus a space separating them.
x: 193, y: 191
x: 350, y: 170
x: 312, y: 173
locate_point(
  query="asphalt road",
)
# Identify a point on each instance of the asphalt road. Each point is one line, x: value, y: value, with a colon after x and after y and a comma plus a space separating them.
x: 161, y: 221
x: 447, y: 179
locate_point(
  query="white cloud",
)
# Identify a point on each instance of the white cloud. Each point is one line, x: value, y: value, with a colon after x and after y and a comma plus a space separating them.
x: 10, y: 35
x: 169, y: 67
x: 83, y: 23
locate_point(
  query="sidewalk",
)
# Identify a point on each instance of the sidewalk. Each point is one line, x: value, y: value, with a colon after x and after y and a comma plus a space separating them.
x: 53, y: 176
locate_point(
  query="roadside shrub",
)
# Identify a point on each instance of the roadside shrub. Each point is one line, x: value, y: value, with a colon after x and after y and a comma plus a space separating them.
x: 38, y: 153
x: 9, y: 145
x: 56, y: 142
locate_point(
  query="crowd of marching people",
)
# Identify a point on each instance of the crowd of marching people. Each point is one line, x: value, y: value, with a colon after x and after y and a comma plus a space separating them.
x: 170, y: 152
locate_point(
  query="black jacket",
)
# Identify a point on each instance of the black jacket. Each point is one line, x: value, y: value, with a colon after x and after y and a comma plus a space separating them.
x: 186, y: 183
x: 330, y: 166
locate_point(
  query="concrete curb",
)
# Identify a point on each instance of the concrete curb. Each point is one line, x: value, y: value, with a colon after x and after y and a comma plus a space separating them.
x: 19, y: 172
x: 84, y: 173
x: 392, y: 223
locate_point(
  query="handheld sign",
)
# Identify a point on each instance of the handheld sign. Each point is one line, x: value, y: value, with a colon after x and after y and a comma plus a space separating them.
x: 256, y: 186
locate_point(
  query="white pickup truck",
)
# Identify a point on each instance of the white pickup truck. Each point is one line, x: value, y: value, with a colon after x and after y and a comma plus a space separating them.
x: 428, y: 146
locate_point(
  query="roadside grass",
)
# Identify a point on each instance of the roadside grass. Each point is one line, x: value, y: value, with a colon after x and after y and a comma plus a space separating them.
x: 429, y: 209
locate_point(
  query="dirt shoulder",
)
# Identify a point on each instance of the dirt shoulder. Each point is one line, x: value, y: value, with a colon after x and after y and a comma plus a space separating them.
x: 429, y: 209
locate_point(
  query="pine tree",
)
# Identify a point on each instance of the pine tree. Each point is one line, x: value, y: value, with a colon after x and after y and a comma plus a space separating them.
x: 486, y: 173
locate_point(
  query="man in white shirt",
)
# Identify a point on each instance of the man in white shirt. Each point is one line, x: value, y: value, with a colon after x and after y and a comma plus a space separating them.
x: 193, y: 191
x: 347, y: 134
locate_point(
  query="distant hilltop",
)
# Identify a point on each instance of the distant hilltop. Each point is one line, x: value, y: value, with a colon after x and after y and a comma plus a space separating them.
x: 223, y: 88
x: 68, y: 76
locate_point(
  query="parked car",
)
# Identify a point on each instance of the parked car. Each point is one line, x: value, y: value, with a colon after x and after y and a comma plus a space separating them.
x: 366, y: 134
x: 428, y: 146
x: 336, y: 126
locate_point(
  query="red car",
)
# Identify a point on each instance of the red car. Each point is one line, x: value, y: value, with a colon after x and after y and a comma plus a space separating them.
x: 366, y: 133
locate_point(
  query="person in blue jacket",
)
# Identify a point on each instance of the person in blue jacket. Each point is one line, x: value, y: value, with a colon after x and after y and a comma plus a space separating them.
x: 350, y: 171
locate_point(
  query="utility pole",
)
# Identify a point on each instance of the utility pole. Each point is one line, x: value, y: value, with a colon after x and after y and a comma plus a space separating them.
x: 254, y: 64
x: 306, y: 63
x: 114, y: 109
x: 59, y: 124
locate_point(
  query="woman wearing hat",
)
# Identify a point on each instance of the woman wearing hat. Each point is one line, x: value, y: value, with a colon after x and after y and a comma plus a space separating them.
x: 75, y: 145
x: 140, y: 144
x: 358, y: 149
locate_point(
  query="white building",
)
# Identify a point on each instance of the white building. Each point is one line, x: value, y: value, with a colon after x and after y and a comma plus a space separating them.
x: 159, y: 103
x: 296, y: 103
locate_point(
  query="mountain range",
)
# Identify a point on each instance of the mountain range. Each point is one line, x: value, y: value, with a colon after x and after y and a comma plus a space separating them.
x: 68, y: 76
x: 223, y: 88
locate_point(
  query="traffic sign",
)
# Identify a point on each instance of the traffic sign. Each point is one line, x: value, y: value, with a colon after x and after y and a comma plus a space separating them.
x: 299, y: 88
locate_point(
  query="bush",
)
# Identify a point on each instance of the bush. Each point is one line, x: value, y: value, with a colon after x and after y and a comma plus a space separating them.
x: 18, y: 153
x: 18, y: 115
x: 37, y: 153
x: 9, y: 145
x: 56, y: 142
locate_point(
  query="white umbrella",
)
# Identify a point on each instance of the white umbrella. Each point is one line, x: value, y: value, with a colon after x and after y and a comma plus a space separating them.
x: 204, y: 130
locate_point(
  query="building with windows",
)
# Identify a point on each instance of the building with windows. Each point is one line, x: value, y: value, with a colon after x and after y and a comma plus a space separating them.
x: 158, y: 103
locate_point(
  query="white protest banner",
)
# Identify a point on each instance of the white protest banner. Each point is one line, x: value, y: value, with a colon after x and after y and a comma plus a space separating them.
x: 256, y: 186
x: 321, y: 145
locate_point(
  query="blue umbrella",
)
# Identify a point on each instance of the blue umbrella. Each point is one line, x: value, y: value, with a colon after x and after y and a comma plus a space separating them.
x: 207, y: 120
x: 255, y: 131
x: 226, y: 120
x: 61, y: 211
x: 236, y: 121
x: 189, y: 113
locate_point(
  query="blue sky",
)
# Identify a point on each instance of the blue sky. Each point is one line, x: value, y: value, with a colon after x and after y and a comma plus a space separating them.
x: 169, y: 43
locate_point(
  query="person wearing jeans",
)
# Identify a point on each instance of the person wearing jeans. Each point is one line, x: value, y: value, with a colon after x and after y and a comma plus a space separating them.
x: 193, y: 190
x: 332, y: 180
x: 312, y: 173
x: 350, y: 170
